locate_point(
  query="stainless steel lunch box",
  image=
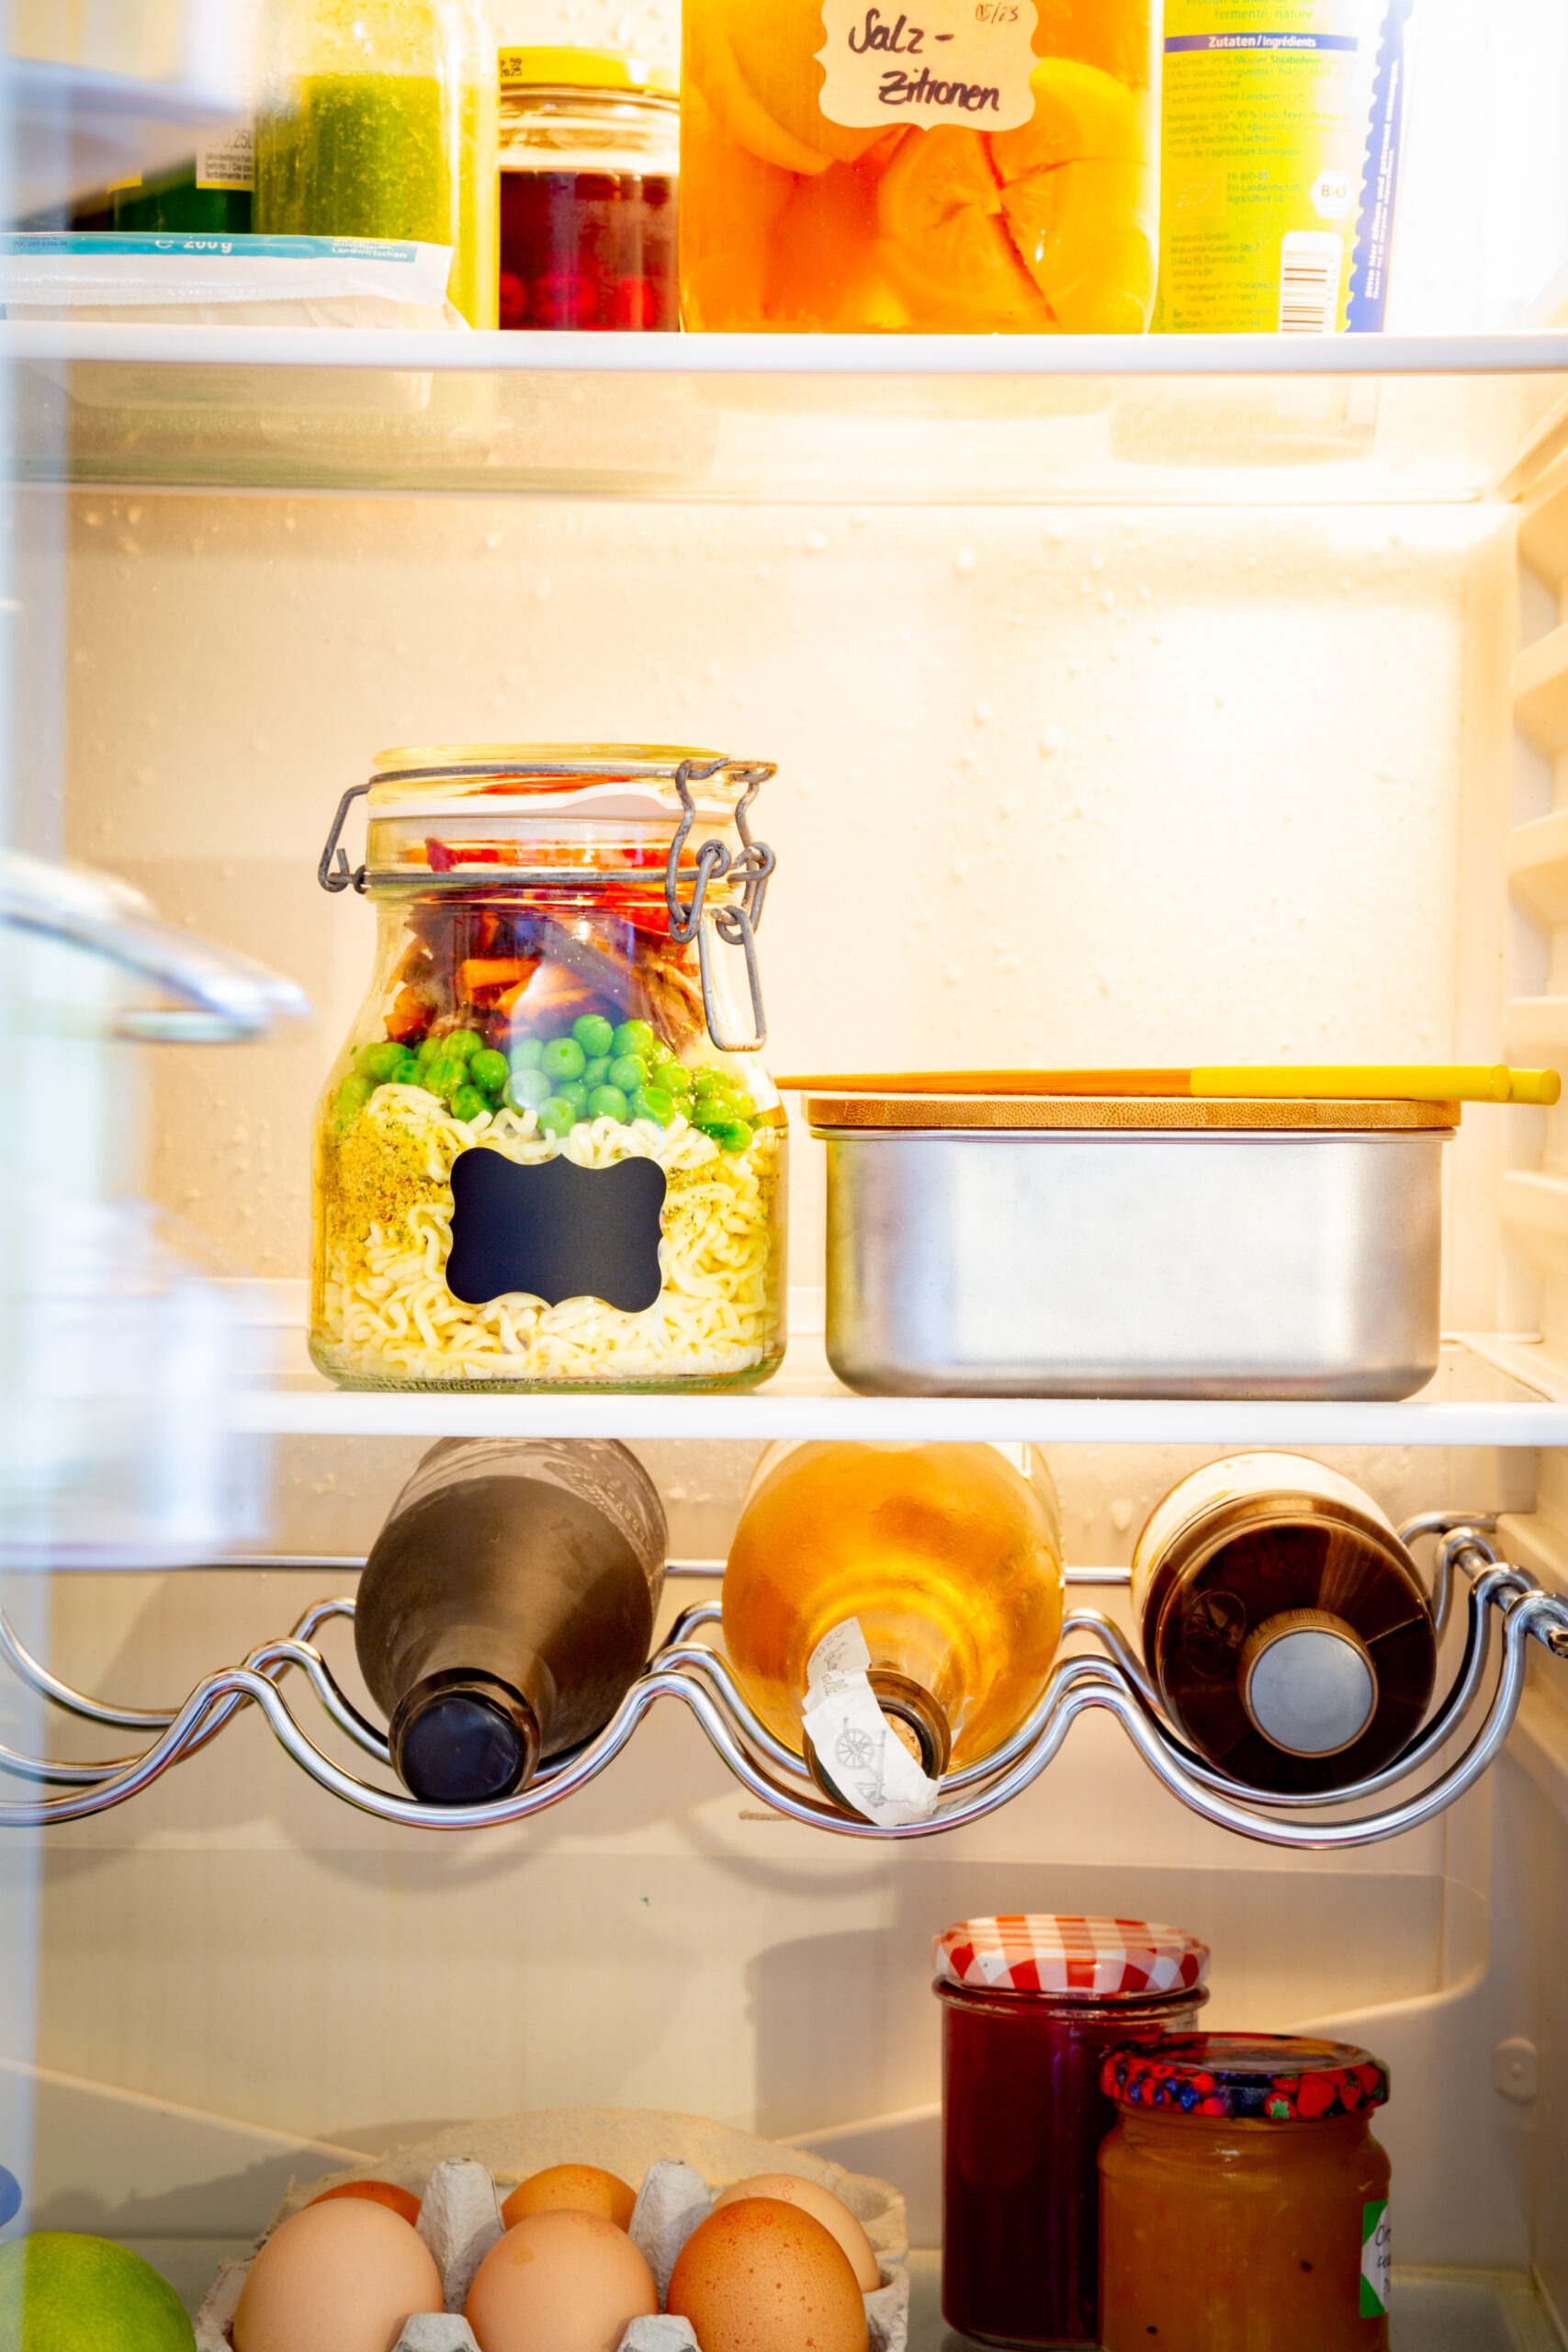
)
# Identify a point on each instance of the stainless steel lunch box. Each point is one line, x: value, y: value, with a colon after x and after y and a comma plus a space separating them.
x: 1091, y: 1247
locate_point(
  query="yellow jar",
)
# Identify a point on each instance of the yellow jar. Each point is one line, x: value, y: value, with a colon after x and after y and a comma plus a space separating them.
x: 969, y: 165
x: 1244, y: 2202
x: 548, y: 1156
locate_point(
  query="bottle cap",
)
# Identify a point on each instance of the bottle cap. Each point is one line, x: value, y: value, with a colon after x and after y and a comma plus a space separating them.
x: 1308, y: 1682
x: 1073, y: 1958
x: 1254, y: 2078
x: 585, y: 69
x: 464, y: 1738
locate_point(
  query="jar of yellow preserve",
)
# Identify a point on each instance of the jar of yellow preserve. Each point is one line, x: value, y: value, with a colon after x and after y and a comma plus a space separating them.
x: 1244, y: 2200
x: 546, y: 1155
x: 965, y: 165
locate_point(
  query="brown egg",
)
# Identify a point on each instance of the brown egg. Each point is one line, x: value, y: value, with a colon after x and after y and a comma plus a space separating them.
x: 379, y: 2193
x: 572, y: 2188
x: 340, y: 2276
x: 559, y: 2282
x: 823, y: 2206
x: 761, y: 2276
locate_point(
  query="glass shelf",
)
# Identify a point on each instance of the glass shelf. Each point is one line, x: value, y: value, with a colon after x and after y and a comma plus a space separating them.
x: 965, y: 420
x: 1485, y: 1393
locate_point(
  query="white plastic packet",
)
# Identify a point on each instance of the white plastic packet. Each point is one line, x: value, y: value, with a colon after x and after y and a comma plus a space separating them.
x: 115, y: 278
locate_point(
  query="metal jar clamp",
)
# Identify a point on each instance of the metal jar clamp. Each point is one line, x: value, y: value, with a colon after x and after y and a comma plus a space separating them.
x: 736, y: 920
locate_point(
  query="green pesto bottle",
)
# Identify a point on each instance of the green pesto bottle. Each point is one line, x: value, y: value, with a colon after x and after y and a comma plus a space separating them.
x: 378, y: 118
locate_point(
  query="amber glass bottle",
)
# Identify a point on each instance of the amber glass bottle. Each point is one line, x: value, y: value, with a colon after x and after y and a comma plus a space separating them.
x: 948, y: 1557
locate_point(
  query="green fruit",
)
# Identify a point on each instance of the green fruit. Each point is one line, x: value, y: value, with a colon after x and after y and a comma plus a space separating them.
x: 733, y: 1136
x: 563, y: 1058
x: 628, y: 1071
x: 469, y: 1104
x: 351, y: 1098
x: 525, y: 1051
x: 60, y: 2292
x: 555, y: 1117
x: 607, y: 1102
x: 529, y: 1090
x: 385, y: 1064
x: 576, y: 1093
x: 463, y: 1043
x: 593, y: 1034
x: 596, y: 1071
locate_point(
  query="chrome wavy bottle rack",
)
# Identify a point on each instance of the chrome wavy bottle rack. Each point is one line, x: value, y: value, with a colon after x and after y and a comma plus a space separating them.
x: 1505, y: 1611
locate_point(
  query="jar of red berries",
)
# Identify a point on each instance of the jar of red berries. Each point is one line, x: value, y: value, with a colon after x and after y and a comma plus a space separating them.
x: 590, y: 156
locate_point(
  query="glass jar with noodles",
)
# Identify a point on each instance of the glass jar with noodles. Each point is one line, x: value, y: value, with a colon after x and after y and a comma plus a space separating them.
x: 548, y: 1156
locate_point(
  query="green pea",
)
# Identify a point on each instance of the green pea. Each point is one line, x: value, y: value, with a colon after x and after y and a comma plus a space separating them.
x: 468, y: 1103
x: 674, y: 1078
x: 593, y: 1034
x: 637, y: 1038
x: 530, y: 1090
x: 653, y: 1102
x: 595, y: 1072
x: 735, y: 1134
x: 628, y: 1071
x: 428, y: 1049
x: 464, y: 1042
x: 607, y: 1102
x: 556, y: 1117
x: 381, y: 1062
x: 576, y: 1093
x: 563, y: 1058
x: 525, y: 1051
x: 351, y: 1098
x: 489, y: 1071
x: 710, y: 1080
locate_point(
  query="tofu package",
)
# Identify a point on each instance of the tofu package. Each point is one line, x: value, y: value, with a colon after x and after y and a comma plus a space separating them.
x: 113, y: 280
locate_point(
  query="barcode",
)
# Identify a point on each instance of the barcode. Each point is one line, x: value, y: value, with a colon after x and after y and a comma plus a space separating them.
x: 1310, y: 262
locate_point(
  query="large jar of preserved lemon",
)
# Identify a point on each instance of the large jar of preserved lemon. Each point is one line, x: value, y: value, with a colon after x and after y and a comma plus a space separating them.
x: 959, y: 166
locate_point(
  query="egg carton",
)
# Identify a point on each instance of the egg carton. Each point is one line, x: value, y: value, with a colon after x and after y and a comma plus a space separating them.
x: 682, y: 2162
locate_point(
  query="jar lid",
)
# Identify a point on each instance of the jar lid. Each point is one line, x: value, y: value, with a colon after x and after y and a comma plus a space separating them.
x: 594, y: 781
x: 586, y: 69
x: 1076, y: 1959
x: 1259, y: 2078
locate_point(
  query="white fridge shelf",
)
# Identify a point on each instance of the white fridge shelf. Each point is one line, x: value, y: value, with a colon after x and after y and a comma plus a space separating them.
x: 1486, y: 1392
x: 926, y: 419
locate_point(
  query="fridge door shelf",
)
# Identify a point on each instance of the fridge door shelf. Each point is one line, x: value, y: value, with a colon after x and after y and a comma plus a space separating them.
x: 1505, y: 1607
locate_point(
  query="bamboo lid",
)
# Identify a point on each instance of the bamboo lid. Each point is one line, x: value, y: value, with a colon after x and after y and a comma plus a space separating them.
x: 1025, y: 1113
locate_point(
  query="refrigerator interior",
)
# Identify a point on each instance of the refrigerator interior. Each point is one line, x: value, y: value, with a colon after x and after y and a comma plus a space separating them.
x: 1124, y: 717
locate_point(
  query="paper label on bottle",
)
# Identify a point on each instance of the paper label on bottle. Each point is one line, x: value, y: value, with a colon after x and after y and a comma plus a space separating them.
x: 857, y: 1750
x: 1376, y: 2259
x: 226, y: 159
x: 937, y: 61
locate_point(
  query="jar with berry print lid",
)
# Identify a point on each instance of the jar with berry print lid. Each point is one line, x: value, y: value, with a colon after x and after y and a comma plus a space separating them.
x: 1031, y: 2005
x: 1244, y: 2200
x: 547, y: 1155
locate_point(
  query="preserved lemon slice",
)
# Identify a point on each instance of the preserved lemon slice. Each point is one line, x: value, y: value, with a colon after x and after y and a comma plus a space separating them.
x: 1115, y: 35
x: 1086, y: 233
x: 726, y: 236
x: 945, y: 242
x: 758, y: 66
x: 825, y: 267
x: 1077, y: 193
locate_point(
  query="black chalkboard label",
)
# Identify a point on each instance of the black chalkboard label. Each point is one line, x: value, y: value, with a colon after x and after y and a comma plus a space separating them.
x: 555, y: 1230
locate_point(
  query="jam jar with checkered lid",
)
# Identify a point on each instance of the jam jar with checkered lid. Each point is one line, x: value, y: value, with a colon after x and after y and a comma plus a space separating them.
x: 1244, y: 2200
x: 1032, y: 2006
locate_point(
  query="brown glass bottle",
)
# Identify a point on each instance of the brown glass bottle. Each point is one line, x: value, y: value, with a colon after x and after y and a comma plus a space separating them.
x: 507, y: 1607
x: 1284, y: 1624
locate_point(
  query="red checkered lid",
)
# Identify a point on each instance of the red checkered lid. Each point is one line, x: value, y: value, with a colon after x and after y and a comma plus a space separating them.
x: 1085, y: 1960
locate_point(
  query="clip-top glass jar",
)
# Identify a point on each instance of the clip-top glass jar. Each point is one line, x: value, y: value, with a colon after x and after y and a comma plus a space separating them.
x: 1031, y: 2004
x: 547, y: 1156
x: 589, y: 163
x: 1244, y: 2200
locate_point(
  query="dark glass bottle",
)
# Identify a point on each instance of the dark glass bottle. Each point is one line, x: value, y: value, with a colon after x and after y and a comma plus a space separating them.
x: 507, y: 1607
x: 208, y: 197
x: 1284, y: 1623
